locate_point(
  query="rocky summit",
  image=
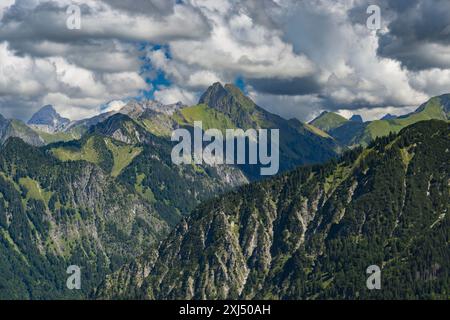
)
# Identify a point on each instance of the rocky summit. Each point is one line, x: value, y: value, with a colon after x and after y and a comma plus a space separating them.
x: 48, y: 120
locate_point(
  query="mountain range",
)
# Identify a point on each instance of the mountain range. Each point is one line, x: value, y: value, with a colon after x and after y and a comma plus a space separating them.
x: 226, y: 107
x: 103, y: 193
x: 220, y: 107
x: 355, y: 132
x: 106, y: 198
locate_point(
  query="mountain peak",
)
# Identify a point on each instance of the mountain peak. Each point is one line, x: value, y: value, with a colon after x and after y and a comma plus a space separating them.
x: 45, y: 111
x: 232, y: 88
x: 328, y: 121
x: 389, y: 117
x: 226, y: 98
x: 213, y: 95
x: 133, y: 109
x: 47, y: 119
x: 321, y: 115
x: 121, y: 127
x: 48, y: 108
x: 357, y: 118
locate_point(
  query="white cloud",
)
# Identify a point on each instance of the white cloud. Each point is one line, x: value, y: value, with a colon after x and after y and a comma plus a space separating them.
x: 433, y: 81
x: 376, y: 113
x: 75, y: 91
x: 16, y: 74
x: 306, y: 107
x: 201, y: 79
x: 174, y: 94
x: 74, y: 108
x: 351, y: 73
x: 236, y: 46
x: 101, y: 21
x: 113, y: 106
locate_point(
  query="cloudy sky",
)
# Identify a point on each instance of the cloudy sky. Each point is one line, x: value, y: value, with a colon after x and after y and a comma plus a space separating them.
x: 295, y: 58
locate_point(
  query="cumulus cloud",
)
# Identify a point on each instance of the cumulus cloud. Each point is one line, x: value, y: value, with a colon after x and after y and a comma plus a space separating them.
x: 297, y: 58
x: 240, y: 43
x: 305, y: 107
x: 434, y: 81
x: 291, y: 51
x: 174, y: 95
x: 102, y: 56
x: 370, y: 114
x: 75, y: 91
x: 351, y: 73
x: 46, y: 20
x: 418, y: 34
x: 113, y: 106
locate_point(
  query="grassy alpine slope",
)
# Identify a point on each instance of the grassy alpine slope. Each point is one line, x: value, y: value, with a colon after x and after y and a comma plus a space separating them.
x: 328, y: 121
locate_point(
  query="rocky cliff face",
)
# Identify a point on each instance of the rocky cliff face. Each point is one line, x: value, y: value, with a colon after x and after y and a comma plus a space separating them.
x: 313, y: 233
